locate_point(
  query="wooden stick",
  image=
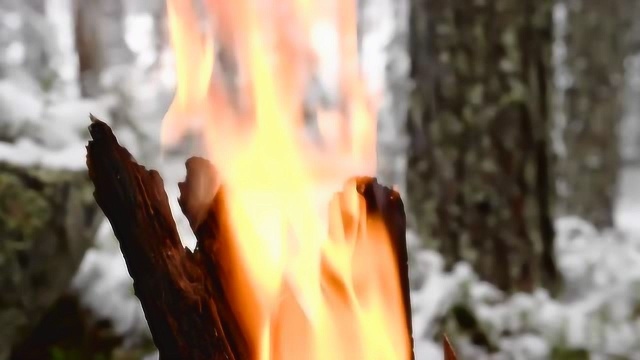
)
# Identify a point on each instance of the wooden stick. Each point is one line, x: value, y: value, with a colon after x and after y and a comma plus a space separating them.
x: 201, y: 203
x: 387, y: 203
x: 177, y: 294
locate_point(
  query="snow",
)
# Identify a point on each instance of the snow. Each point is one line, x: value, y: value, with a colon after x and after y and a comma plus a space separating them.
x: 37, y: 133
x: 627, y: 210
x: 64, y: 61
x: 27, y: 153
x: 110, y: 297
x: 103, y: 283
x: 384, y: 48
x: 139, y: 37
x: 596, y: 311
x: 19, y: 107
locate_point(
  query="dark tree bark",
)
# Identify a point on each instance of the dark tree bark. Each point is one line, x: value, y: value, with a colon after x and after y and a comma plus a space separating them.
x: 597, y: 42
x: 479, y: 163
x: 183, y: 292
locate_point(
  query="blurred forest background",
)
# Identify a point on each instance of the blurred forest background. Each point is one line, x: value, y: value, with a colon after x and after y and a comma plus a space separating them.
x: 511, y: 128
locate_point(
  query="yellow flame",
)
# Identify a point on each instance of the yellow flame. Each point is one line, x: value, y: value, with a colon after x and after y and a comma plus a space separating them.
x: 304, y: 284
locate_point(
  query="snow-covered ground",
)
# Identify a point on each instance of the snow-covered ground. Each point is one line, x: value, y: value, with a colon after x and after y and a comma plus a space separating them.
x: 598, y: 310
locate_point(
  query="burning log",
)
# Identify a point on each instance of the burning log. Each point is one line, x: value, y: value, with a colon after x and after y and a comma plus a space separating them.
x: 182, y: 292
x: 178, y: 295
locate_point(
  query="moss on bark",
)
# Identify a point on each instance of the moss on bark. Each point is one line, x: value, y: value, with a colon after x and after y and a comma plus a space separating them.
x: 478, y: 182
x: 47, y: 221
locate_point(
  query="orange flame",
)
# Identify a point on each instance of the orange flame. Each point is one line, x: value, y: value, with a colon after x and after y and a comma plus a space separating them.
x: 305, y: 285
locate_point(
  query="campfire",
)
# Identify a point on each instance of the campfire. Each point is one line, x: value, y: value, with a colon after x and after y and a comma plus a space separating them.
x: 300, y: 253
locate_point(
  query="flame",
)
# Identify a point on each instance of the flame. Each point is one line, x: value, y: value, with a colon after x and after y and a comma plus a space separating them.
x: 306, y: 283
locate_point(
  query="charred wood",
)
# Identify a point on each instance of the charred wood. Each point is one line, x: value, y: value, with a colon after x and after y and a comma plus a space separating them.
x: 182, y: 291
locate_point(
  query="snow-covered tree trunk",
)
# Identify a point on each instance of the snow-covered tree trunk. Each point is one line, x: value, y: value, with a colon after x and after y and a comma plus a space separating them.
x: 34, y: 45
x: 597, y: 45
x: 23, y: 42
x: 34, y: 33
x: 384, y: 27
x: 146, y: 30
x: 99, y: 40
x: 479, y: 165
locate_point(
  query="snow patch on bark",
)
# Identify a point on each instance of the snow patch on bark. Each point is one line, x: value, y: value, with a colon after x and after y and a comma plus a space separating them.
x: 384, y: 49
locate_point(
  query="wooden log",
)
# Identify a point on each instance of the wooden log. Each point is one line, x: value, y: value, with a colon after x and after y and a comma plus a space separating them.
x: 182, y: 292
x: 176, y: 292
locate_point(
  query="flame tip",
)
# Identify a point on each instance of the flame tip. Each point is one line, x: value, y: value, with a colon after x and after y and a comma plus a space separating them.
x: 278, y: 183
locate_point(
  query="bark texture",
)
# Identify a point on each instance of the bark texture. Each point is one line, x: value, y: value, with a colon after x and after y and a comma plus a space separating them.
x: 597, y: 41
x: 186, y: 320
x: 24, y: 44
x: 383, y: 26
x: 479, y: 164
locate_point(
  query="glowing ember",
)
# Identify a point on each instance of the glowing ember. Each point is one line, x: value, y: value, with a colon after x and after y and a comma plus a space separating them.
x: 304, y: 285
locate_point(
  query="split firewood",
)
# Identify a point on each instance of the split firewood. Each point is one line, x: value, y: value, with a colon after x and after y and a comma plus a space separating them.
x: 178, y: 296
x: 182, y: 292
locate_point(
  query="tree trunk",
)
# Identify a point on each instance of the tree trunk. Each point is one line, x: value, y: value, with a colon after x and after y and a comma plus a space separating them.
x: 597, y: 34
x: 479, y: 165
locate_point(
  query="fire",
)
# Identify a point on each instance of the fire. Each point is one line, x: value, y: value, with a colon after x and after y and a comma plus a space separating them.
x: 306, y: 283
